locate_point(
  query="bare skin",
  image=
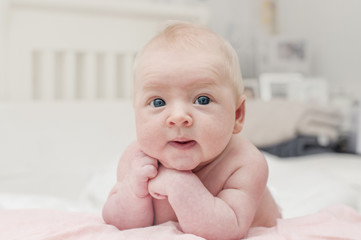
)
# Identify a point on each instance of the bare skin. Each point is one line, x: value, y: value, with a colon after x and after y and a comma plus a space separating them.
x: 229, y: 194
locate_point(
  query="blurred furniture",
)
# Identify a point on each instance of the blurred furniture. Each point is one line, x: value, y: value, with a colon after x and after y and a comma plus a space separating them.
x: 294, y: 87
x: 354, y: 141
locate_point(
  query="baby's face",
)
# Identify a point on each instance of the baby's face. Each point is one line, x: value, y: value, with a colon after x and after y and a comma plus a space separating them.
x: 185, y: 111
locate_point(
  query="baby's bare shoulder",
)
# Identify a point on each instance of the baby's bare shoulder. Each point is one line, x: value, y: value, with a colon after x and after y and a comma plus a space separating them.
x: 250, y: 164
x: 245, y: 153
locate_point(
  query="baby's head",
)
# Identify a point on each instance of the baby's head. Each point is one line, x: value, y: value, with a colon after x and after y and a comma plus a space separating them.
x: 188, y: 97
x: 189, y: 37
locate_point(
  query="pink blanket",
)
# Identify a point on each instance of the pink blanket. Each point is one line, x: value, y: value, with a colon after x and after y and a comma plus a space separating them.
x: 337, y: 222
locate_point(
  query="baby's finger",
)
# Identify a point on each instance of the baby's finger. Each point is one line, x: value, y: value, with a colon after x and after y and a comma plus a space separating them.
x: 148, y: 171
x: 153, y: 162
x: 143, y: 161
x: 157, y: 195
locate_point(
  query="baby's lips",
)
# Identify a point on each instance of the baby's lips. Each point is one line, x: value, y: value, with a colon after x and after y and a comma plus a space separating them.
x: 183, y: 144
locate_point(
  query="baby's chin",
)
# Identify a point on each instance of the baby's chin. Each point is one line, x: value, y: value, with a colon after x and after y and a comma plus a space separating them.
x: 180, y: 166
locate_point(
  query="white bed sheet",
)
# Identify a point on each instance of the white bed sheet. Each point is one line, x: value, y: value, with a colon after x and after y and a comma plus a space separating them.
x: 304, y: 185
x: 64, y: 156
x: 55, y: 148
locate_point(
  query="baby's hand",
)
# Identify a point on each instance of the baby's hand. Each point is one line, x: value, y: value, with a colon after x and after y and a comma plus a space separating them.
x: 142, y: 169
x: 158, y: 186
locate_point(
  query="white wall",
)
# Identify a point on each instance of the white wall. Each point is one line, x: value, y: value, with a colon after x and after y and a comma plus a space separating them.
x: 235, y: 20
x: 3, y: 8
x: 333, y: 28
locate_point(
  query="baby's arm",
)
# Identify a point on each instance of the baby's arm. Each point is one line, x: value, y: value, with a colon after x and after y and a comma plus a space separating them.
x: 129, y: 204
x: 225, y: 216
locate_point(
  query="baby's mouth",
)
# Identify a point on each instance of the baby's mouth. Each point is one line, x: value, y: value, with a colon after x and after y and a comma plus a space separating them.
x: 182, y: 144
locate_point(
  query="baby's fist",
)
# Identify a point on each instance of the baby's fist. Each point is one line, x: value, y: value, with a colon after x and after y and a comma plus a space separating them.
x: 142, y: 169
x: 157, y: 186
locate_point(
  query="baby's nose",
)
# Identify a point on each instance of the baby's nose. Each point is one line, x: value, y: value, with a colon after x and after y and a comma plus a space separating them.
x: 179, y: 119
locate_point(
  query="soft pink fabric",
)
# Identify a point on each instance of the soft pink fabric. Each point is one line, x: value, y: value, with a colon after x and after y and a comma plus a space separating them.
x: 40, y: 224
x: 337, y: 222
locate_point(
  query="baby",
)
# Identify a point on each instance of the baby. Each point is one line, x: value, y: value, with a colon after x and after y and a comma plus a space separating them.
x: 189, y: 164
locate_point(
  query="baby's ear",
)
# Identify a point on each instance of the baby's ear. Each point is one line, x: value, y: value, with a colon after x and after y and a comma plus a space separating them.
x: 240, y: 114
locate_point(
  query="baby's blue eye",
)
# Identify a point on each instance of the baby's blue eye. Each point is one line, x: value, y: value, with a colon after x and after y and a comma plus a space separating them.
x: 158, y: 102
x: 203, y: 100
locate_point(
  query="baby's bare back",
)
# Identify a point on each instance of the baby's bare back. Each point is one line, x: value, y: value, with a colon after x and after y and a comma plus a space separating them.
x: 268, y: 211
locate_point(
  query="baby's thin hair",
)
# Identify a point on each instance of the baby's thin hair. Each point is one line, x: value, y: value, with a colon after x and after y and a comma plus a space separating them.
x: 186, y: 35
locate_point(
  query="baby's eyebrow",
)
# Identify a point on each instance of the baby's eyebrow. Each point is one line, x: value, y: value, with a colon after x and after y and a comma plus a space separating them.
x: 206, y: 82
x: 199, y: 83
x: 149, y: 86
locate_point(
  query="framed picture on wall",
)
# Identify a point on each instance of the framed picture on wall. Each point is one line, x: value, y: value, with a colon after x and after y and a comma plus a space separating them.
x: 293, y: 87
x: 285, y: 54
x: 277, y: 85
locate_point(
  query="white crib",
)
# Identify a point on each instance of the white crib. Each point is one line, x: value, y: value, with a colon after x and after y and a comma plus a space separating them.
x: 77, y: 49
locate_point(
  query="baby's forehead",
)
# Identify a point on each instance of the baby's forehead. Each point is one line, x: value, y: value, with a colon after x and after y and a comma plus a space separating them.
x: 193, y: 44
x: 207, y: 51
x: 164, y: 61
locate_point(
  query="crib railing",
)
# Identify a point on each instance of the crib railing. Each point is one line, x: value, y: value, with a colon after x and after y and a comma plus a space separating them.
x: 80, y: 74
x: 74, y: 50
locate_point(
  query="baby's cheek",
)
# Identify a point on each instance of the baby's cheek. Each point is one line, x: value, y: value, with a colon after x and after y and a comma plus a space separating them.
x: 220, y: 138
x: 149, y: 143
